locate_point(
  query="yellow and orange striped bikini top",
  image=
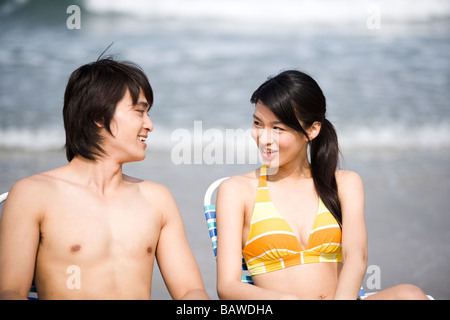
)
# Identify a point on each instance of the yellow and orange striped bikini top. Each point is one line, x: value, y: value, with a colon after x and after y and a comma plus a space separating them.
x: 272, y: 245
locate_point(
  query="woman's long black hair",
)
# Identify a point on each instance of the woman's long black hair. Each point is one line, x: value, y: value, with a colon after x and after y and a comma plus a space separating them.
x: 292, y: 96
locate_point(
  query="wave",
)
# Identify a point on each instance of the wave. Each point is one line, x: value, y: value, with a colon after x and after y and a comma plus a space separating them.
x: 254, y: 15
x: 400, y: 138
x: 427, y: 137
x: 33, y: 7
x: 37, y: 140
x: 9, y: 7
x: 284, y: 11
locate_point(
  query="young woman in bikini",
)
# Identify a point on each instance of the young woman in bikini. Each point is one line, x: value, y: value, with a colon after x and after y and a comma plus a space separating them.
x: 297, y: 221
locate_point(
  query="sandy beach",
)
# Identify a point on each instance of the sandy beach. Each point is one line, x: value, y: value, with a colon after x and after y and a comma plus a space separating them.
x: 405, y: 196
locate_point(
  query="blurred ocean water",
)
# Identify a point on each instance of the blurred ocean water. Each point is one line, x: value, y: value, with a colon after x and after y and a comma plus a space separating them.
x: 383, y: 65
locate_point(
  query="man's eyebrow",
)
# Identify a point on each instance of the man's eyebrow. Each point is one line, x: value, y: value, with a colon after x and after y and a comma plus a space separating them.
x: 143, y: 104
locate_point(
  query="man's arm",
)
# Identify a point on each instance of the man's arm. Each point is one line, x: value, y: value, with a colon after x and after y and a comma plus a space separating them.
x: 175, y: 258
x: 19, y: 239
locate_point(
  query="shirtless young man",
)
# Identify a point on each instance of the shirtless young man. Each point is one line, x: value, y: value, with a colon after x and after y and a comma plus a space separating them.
x: 89, y: 220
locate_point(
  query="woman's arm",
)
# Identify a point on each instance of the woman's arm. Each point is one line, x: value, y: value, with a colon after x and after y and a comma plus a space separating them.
x: 354, y: 235
x: 230, y: 208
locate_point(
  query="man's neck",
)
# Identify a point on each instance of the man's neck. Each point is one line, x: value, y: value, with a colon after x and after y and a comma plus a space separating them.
x: 102, y: 176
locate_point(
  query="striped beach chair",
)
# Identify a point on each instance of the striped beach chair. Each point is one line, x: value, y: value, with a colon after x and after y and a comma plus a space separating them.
x: 32, y: 295
x: 210, y: 215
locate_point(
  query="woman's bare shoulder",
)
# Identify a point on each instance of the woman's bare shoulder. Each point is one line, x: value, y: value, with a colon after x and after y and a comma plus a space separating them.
x: 347, y: 177
x: 350, y: 185
x: 240, y: 183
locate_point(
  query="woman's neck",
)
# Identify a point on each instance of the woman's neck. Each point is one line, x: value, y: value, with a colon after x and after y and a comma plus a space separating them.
x: 300, y: 169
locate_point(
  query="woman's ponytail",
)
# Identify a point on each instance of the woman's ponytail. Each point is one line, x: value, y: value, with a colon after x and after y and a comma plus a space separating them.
x: 324, y: 155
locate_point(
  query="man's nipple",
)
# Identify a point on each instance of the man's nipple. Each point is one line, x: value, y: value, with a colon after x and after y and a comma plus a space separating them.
x: 75, y: 248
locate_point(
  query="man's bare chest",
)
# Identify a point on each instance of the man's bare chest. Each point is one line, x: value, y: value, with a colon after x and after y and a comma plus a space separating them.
x: 92, y: 230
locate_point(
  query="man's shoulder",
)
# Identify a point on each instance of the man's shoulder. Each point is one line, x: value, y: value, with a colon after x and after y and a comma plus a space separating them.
x: 40, y: 183
x: 158, y: 197
x: 30, y: 195
x: 149, y: 188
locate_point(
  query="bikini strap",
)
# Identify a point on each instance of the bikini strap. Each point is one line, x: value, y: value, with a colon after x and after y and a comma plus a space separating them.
x: 262, y: 177
x: 262, y: 194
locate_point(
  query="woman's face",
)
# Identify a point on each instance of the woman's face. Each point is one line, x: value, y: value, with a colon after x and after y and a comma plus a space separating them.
x: 278, y: 144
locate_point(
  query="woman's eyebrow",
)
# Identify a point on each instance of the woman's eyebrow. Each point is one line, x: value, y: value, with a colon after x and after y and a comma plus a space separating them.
x: 272, y: 122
